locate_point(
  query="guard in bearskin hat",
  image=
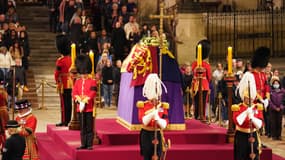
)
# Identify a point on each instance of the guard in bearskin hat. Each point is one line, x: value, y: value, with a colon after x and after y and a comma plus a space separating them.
x: 15, y: 145
x: 63, y: 78
x: 28, y: 124
x: 84, y: 92
x: 259, y: 61
x: 206, y: 48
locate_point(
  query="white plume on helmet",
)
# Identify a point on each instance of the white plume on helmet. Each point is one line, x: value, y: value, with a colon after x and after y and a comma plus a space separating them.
x: 152, y: 87
x: 246, y: 82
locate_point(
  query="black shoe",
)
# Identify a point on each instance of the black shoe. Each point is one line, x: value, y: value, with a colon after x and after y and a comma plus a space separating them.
x: 81, y: 147
x: 59, y: 124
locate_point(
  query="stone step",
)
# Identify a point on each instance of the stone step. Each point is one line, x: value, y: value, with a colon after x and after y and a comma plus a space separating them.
x: 36, y: 29
x: 43, y: 56
x: 42, y: 47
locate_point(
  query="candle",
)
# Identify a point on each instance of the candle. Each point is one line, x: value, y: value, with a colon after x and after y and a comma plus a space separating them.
x: 73, y: 53
x: 199, y: 56
x: 230, y: 60
x: 91, y: 55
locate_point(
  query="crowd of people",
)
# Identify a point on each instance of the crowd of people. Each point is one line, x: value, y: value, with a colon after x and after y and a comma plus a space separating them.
x: 107, y: 28
x: 218, y: 93
x: 17, y: 139
x: 14, y: 49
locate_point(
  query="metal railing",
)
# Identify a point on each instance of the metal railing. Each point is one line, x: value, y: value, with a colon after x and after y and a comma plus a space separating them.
x: 245, y: 31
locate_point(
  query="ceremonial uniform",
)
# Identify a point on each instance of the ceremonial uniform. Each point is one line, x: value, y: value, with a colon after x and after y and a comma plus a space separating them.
x: 63, y: 79
x: 154, y: 116
x: 206, y: 78
x: 147, y: 131
x: 28, y: 124
x: 248, y: 118
x: 259, y: 61
x: 4, y: 116
x: 242, y: 147
x: 64, y: 84
x: 84, y: 92
x: 262, y: 87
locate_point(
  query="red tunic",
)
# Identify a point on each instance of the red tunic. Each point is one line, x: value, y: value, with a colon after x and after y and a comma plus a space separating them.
x: 163, y: 112
x: 3, y: 115
x: 262, y: 86
x: 61, y: 74
x: 29, y: 123
x: 207, y: 75
x: 85, y: 88
x: 242, y: 107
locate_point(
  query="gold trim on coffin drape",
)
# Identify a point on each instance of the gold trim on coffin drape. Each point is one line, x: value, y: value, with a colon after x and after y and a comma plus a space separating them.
x: 136, y: 127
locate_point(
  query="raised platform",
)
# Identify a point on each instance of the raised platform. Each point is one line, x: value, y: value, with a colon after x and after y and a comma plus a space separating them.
x: 198, y: 141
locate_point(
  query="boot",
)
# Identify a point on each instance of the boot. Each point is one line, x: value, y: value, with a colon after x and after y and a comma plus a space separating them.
x: 89, y: 140
x: 83, y: 142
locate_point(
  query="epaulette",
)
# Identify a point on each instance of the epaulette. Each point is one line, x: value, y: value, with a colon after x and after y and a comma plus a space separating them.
x: 235, y: 107
x: 165, y: 105
x: 259, y: 106
x: 140, y: 104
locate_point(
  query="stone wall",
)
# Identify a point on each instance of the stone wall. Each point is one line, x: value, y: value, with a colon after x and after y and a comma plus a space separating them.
x: 190, y: 29
x: 147, y: 7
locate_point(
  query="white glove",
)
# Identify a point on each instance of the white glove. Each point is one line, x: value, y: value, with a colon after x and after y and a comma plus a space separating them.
x: 81, y: 106
x: 251, y: 115
x: 147, y: 118
x: 265, y: 103
x: 161, y: 122
x: 257, y: 122
x: 249, y: 110
x: 156, y: 115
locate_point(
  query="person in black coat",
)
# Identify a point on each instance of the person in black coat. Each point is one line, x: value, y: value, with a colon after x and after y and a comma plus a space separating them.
x: 24, y: 42
x: 118, y: 41
x: 3, y: 6
x: 15, y: 145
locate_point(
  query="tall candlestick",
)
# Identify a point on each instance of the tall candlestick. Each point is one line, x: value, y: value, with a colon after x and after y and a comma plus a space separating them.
x: 73, y: 53
x: 199, y: 56
x: 230, y: 60
x: 91, y: 55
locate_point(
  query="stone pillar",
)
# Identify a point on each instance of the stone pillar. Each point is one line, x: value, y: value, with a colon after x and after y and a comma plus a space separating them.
x: 147, y: 7
x: 190, y: 29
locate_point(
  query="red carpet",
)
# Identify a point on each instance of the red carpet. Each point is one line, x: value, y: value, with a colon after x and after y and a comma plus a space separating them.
x: 199, y: 142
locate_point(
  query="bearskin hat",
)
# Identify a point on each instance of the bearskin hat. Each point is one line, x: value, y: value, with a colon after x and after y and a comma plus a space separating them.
x: 63, y: 44
x: 260, y: 57
x: 83, y: 64
x: 206, y: 48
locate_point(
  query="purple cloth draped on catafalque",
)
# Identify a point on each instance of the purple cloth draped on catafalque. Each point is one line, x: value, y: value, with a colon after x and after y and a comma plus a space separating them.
x: 129, y: 96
